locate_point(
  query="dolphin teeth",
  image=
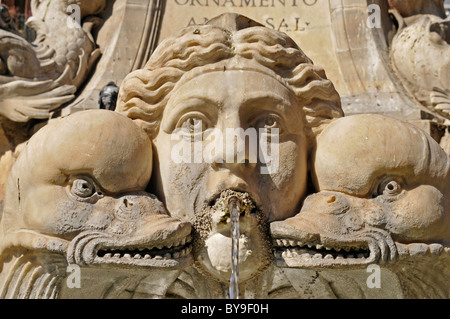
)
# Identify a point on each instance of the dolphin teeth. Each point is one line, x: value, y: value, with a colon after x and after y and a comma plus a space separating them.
x: 306, y: 256
x: 418, y: 249
x: 436, y: 249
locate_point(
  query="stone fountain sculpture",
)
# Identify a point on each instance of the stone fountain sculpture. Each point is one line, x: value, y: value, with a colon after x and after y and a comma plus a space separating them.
x: 145, y: 200
x: 420, y: 53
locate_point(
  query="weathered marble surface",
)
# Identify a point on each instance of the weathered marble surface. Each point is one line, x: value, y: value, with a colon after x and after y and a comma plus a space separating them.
x: 105, y: 193
x: 421, y: 56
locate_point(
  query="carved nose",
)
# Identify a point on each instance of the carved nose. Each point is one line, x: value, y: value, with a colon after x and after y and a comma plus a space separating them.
x: 233, y: 166
x: 236, y: 158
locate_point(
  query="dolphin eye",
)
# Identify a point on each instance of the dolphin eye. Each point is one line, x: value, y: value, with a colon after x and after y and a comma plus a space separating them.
x: 390, y: 188
x: 83, y: 187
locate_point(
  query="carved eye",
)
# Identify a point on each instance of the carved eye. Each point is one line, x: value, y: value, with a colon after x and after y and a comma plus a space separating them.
x: 389, y: 188
x: 83, y: 187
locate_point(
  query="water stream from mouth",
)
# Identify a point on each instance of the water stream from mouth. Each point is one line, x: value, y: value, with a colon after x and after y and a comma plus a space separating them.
x: 234, y: 207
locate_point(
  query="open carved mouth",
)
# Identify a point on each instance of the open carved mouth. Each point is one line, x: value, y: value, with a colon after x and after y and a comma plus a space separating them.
x: 93, y: 248
x: 295, y: 247
x: 167, y: 252
x: 304, y: 254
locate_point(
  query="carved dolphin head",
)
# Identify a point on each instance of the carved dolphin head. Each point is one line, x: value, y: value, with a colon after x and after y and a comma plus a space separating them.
x: 78, y: 188
x: 382, y: 184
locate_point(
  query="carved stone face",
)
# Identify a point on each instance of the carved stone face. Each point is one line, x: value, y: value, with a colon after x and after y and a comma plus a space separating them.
x: 224, y: 100
x: 382, y: 183
x: 79, y: 183
x: 233, y: 100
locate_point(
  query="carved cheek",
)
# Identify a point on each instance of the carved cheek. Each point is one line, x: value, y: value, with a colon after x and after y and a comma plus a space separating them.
x: 286, y: 186
x: 418, y: 214
x: 74, y: 216
x: 49, y: 209
x: 46, y: 208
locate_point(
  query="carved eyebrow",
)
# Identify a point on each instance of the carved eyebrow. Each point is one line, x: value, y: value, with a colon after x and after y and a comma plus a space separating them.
x: 254, y: 97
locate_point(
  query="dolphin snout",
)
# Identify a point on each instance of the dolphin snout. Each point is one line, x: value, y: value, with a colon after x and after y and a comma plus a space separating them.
x: 133, y: 207
x: 326, y: 203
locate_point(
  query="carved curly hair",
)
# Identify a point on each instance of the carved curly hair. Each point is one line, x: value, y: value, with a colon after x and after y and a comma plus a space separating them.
x: 144, y: 93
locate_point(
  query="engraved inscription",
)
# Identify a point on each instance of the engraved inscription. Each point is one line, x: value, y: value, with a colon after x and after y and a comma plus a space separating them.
x: 292, y: 23
x: 245, y: 3
x: 283, y: 24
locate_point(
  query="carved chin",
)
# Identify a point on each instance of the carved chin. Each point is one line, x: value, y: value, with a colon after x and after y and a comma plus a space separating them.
x: 213, y: 242
x: 215, y: 256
